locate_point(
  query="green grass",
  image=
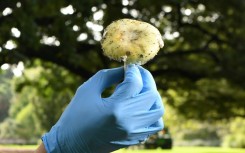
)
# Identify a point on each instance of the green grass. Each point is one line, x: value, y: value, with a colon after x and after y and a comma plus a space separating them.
x: 187, y: 150
x: 174, y: 150
x: 19, y: 146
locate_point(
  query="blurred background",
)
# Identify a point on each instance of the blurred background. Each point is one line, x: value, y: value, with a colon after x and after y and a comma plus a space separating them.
x: 48, y: 48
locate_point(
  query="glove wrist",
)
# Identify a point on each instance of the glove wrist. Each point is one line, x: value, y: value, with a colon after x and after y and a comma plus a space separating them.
x: 50, y: 142
x: 53, y: 145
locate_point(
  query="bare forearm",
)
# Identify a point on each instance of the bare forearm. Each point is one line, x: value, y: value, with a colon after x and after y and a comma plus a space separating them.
x: 41, y: 149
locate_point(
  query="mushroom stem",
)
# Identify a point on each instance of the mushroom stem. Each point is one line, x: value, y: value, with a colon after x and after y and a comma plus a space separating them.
x: 124, y: 59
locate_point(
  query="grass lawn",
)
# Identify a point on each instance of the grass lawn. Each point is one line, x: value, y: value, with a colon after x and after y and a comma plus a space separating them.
x: 174, y: 150
x: 19, y: 146
x: 187, y: 150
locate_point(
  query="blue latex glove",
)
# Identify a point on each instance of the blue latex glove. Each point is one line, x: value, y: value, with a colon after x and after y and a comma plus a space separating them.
x: 92, y: 124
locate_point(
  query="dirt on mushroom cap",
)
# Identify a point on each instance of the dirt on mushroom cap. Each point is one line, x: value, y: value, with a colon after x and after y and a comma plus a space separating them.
x: 131, y: 40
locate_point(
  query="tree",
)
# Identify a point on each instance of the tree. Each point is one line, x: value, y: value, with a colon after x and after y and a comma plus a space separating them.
x: 6, y: 93
x: 47, y: 89
x: 200, y: 70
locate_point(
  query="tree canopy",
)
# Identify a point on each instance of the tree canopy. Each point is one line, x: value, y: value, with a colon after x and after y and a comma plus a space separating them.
x: 200, y: 71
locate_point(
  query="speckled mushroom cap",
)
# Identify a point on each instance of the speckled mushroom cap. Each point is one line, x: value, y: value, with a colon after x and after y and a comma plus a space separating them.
x: 132, y: 41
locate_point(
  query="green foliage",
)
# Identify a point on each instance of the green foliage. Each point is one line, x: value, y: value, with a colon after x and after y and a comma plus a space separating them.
x: 200, y: 71
x: 25, y: 130
x: 38, y: 102
x: 21, y: 119
x: 8, y: 129
x: 190, y: 132
x: 186, y: 150
x: 47, y: 90
x: 6, y: 92
x: 236, y: 136
x: 27, y: 121
x: 207, y: 98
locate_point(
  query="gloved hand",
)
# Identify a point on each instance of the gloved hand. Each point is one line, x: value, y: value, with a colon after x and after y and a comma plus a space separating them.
x: 92, y: 124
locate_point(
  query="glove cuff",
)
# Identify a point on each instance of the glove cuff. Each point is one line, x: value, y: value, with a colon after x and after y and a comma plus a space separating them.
x: 50, y: 141
x: 55, y: 142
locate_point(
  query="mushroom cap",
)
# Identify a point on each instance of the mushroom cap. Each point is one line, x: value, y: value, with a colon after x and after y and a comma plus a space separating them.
x: 131, y: 41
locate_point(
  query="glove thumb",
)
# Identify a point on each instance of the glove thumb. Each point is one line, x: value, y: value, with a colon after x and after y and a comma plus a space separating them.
x: 104, y: 79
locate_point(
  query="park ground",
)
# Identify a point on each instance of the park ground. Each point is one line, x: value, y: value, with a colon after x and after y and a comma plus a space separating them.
x: 17, y: 148
x: 30, y: 149
x: 187, y: 150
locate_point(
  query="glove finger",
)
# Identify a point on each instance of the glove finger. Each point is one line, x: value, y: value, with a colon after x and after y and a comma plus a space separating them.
x: 154, y: 128
x: 142, y: 102
x: 149, y: 84
x: 143, y: 133
x: 125, y: 143
x: 146, y: 101
x: 105, y: 78
x: 148, y: 80
x: 140, y: 135
x: 158, y: 104
x: 132, y: 84
x: 159, y: 123
x: 128, y: 142
x: 147, y: 118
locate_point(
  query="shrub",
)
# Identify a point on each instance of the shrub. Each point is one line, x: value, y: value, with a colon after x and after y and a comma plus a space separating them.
x: 236, y: 135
